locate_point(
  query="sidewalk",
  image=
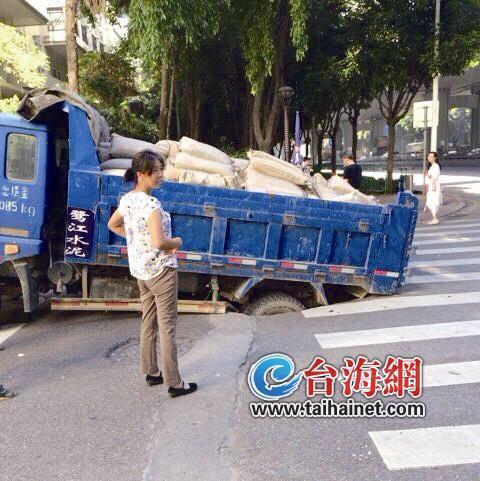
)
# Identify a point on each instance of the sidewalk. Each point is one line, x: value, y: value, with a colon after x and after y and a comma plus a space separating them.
x: 451, y: 204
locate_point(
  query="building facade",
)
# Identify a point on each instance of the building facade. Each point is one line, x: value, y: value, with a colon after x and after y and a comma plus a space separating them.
x: 44, y: 21
x: 458, y: 129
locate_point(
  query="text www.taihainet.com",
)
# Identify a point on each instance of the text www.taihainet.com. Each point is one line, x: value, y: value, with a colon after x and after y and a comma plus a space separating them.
x: 327, y: 408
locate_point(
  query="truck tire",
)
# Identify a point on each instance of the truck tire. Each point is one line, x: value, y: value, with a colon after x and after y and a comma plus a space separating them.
x: 275, y: 302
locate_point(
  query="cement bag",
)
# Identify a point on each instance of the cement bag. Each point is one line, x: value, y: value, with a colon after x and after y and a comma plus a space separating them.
x: 186, y: 161
x: 271, y: 166
x: 258, y: 182
x: 173, y: 147
x: 320, y: 180
x: 116, y: 164
x: 234, y: 182
x: 203, y: 151
x: 201, y: 178
x: 240, y: 164
x: 126, y: 148
x: 118, y: 172
x: 340, y: 185
x: 171, y: 172
x: 164, y: 147
x: 355, y: 198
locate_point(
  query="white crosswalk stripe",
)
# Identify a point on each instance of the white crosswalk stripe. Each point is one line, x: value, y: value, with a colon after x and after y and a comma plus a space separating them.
x: 8, y: 331
x: 428, y: 447
x: 451, y: 373
x: 442, y: 233
x: 449, y: 240
x: 469, y: 261
x: 419, y: 332
x: 444, y: 277
x: 448, y: 250
x: 393, y: 302
x: 441, y: 228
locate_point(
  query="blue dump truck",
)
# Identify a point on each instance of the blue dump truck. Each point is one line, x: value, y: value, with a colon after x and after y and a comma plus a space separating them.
x: 259, y: 253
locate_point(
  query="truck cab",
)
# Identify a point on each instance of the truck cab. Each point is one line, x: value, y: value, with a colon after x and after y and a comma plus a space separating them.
x: 32, y: 196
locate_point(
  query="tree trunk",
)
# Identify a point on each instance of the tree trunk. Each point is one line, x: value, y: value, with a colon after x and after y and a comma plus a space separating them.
x: 162, y: 124
x: 170, y: 101
x: 354, y: 124
x: 198, y: 110
x: 390, y: 151
x: 267, y: 106
x: 319, y: 149
x: 333, y: 137
x: 177, y: 114
x: 71, y: 9
x: 333, y: 155
x: 265, y: 132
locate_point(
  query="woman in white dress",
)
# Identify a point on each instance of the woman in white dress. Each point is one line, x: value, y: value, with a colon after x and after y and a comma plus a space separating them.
x: 434, y: 189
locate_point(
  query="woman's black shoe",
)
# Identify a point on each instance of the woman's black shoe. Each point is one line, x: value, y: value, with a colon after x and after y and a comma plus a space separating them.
x: 154, y: 380
x: 181, y: 391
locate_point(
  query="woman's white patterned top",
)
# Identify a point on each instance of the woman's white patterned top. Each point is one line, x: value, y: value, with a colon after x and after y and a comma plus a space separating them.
x: 145, y: 260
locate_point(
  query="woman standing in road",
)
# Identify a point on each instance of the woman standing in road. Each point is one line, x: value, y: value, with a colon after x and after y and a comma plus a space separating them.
x: 434, y: 190
x: 152, y: 260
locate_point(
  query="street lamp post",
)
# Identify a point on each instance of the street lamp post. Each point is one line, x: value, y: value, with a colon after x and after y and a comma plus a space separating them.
x: 286, y: 93
x: 435, y: 106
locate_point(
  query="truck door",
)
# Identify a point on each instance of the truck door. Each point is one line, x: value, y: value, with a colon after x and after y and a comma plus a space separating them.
x: 22, y: 190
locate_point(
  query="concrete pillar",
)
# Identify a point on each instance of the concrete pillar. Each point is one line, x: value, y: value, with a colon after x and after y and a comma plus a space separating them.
x: 475, y: 142
x: 476, y: 125
x: 444, y: 106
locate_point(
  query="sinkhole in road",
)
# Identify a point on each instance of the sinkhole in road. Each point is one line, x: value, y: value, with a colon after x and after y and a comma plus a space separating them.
x: 129, y: 349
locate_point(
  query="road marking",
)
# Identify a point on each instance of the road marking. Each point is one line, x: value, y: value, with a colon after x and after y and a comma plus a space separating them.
x: 436, y: 234
x: 388, y: 335
x: 447, y: 250
x: 5, y: 333
x: 448, y: 240
x: 445, y: 262
x: 428, y: 447
x: 393, y: 302
x: 441, y: 227
x: 456, y: 221
x: 452, y: 373
x: 444, y: 277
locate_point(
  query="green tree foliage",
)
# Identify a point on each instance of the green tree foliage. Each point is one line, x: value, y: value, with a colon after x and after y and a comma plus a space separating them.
x: 21, y: 58
x: 107, y: 78
x: 398, y: 50
x: 9, y: 105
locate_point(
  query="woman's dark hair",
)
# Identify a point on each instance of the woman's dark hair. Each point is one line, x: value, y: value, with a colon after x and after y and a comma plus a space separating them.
x: 144, y: 162
x: 436, y: 158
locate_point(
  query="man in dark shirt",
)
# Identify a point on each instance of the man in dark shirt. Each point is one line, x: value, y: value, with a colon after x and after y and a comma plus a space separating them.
x: 352, y: 172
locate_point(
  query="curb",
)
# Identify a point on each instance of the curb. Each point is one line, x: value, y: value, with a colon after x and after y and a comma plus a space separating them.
x: 457, y: 207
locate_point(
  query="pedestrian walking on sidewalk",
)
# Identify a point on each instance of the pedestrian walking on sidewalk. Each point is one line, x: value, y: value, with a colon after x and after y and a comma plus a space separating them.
x: 152, y: 261
x: 5, y: 393
x: 434, y: 188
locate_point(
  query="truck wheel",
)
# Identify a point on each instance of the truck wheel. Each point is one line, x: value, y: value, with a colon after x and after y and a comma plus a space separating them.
x: 276, y: 302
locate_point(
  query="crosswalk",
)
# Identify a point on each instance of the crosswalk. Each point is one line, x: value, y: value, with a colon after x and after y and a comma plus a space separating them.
x: 447, y: 255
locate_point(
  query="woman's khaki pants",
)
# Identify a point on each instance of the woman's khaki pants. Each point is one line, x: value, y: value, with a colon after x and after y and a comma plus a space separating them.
x: 159, y: 316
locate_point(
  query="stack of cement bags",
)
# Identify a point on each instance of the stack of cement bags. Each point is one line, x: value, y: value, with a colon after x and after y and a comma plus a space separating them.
x: 339, y: 190
x: 193, y: 162
x: 270, y: 175
x: 200, y: 164
x: 116, y: 156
